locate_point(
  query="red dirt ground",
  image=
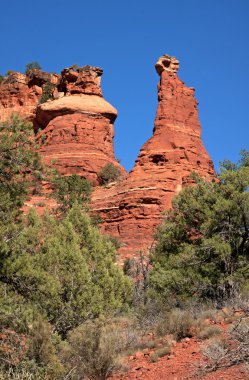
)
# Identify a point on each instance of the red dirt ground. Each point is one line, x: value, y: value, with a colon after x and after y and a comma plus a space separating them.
x: 182, y: 364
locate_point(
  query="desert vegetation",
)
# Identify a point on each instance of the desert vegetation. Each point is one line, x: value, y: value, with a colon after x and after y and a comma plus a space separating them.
x: 47, y: 93
x: 68, y: 311
x: 109, y: 173
x: 56, y: 272
x: 32, y: 66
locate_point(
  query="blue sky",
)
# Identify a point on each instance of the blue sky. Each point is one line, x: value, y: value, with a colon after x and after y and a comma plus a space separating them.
x: 125, y: 38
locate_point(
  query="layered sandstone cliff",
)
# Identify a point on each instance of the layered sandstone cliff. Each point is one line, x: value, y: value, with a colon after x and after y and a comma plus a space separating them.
x: 75, y: 133
x: 132, y: 209
x: 20, y: 93
x: 77, y: 126
x: 74, y: 126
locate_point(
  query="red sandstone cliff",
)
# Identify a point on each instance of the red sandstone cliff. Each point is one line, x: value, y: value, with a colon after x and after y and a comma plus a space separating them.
x: 75, y: 126
x: 132, y: 209
x: 75, y: 132
x: 20, y: 93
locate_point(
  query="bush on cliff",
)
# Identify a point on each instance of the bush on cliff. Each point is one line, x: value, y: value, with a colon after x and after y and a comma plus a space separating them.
x: 47, y: 92
x: 109, y: 173
x: 33, y: 66
x: 203, y: 242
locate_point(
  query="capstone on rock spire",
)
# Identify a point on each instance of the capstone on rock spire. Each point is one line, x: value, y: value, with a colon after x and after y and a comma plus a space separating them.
x: 167, y: 63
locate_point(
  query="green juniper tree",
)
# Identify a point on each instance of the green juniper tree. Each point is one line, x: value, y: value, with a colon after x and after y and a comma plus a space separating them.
x: 61, y: 271
x: 203, y: 242
x: 69, y: 190
x: 18, y: 160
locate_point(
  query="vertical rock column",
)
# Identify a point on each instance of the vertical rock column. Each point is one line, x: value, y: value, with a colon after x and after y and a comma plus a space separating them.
x: 131, y: 210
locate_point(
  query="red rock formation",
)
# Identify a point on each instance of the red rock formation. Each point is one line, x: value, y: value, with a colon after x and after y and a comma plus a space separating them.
x: 77, y: 127
x: 75, y: 131
x: 81, y: 80
x: 20, y: 93
x: 132, y: 209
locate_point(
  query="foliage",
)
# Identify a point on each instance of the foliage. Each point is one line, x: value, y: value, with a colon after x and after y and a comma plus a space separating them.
x: 65, y: 268
x: 94, y: 349
x: 42, y: 348
x: 47, y: 92
x: 15, y: 312
x: 33, y: 66
x: 109, y: 173
x: 203, y: 243
x: 71, y: 189
x: 1, y: 78
x: 9, y: 72
x: 18, y: 160
x: 74, y: 67
x: 207, y: 332
x: 177, y: 322
x: 232, y: 350
x: 54, y: 273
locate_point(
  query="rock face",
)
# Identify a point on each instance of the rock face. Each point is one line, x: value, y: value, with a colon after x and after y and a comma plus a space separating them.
x: 132, y: 209
x: 75, y: 131
x: 77, y: 127
x: 74, y: 127
x: 20, y: 93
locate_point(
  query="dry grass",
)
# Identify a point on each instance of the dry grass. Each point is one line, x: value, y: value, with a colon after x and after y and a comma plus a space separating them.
x: 231, y: 351
x: 176, y: 322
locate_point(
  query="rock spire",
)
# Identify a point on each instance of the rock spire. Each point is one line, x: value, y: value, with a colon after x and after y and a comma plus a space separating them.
x: 132, y: 210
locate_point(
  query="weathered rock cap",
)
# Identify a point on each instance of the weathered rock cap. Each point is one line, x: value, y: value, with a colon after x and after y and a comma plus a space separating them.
x: 81, y: 80
x: 83, y: 103
x: 167, y: 63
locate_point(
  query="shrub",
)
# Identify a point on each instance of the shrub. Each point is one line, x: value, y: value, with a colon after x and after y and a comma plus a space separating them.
x: 1, y: 78
x: 28, y: 370
x: 177, y: 322
x: 149, y: 344
x: 93, y: 351
x: 153, y: 357
x: 230, y: 351
x: 166, y: 350
x: 47, y: 93
x: 42, y: 349
x: 9, y: 72
x: 74, y: 67
x: 207, y: 332
x: 215, y: 352
x: 33, y: 66
x: 13, y: 348
x: 109, y: 173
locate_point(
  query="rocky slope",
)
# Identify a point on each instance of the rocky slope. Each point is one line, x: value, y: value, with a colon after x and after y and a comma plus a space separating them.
x: 75, y: 129
x: 133, y: 208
